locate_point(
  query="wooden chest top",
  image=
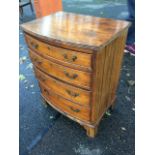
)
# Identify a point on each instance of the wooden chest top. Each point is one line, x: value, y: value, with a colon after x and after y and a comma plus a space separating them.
x: 71, y: 30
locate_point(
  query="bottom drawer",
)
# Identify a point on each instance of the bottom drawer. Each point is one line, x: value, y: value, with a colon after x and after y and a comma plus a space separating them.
x: 66, y: 106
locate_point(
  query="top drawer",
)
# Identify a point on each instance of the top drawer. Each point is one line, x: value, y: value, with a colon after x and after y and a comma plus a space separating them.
x: 61, y: 54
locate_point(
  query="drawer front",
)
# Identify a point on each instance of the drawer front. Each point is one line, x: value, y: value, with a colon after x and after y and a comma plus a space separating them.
x: 64, y: 105
x: 72, y: 57
x: 72, y: 93
x: 75, y: 77
x: 61, y: 54
x: 37, y: 45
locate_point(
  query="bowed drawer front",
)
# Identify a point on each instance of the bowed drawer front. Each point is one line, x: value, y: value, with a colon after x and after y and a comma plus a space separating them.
x: 78, y: 95
x: 77, y: 61
x: 69, y: 108
x: 66, y: 74
x: 60, y: 54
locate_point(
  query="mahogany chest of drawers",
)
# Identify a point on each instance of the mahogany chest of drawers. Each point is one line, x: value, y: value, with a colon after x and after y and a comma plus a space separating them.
x: 77, y: 61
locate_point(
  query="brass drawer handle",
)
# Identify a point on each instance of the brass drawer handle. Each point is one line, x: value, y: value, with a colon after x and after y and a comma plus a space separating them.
x: 34, y: 45
x: 42, y: 78
x: 36, y: 60
x: 72, y: 59
x: 72, y: 93
x: 46, y: 91
x: 49, y: 48
x: 74, y: 76
x: 75, y: 110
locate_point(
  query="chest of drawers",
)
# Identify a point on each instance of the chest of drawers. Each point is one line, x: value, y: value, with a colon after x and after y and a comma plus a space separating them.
x: 77, y: 61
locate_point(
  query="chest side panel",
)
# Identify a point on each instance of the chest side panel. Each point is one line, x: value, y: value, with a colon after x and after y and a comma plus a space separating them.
x: 106, y: 76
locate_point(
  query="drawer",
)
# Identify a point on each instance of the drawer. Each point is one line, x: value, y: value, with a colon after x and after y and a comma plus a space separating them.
x: 37, y: 45
x: 65, y: 106
x: 75, y: 77
x: 60, y: 54
x: 69, y: 92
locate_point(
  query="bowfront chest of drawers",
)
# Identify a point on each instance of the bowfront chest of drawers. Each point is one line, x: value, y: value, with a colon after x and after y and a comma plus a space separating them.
x: 77, y: 61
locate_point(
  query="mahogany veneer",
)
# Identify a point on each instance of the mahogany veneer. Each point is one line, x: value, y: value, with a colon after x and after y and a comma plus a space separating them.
x: 77, y: 61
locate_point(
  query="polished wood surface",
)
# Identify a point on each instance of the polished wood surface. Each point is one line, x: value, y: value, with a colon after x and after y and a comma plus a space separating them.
x: 77, y: 61
x: 75, y: 77
x: 75, y: 30
x: 91, y: 131
x: 64, y: 105
x: 77, y: 95
x: 60, y: 54
x: 107, y: 68
x: 38, y: 46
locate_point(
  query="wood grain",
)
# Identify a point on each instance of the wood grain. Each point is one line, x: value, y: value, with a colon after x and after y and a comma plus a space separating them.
x: 106, y: 76
x: 75, y: 77
x: 60, y: 54
x: 64, y: 105
x: 77, y: 61
x: 75, y: 31
x: 91, y: 131
x: 74, y: 94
